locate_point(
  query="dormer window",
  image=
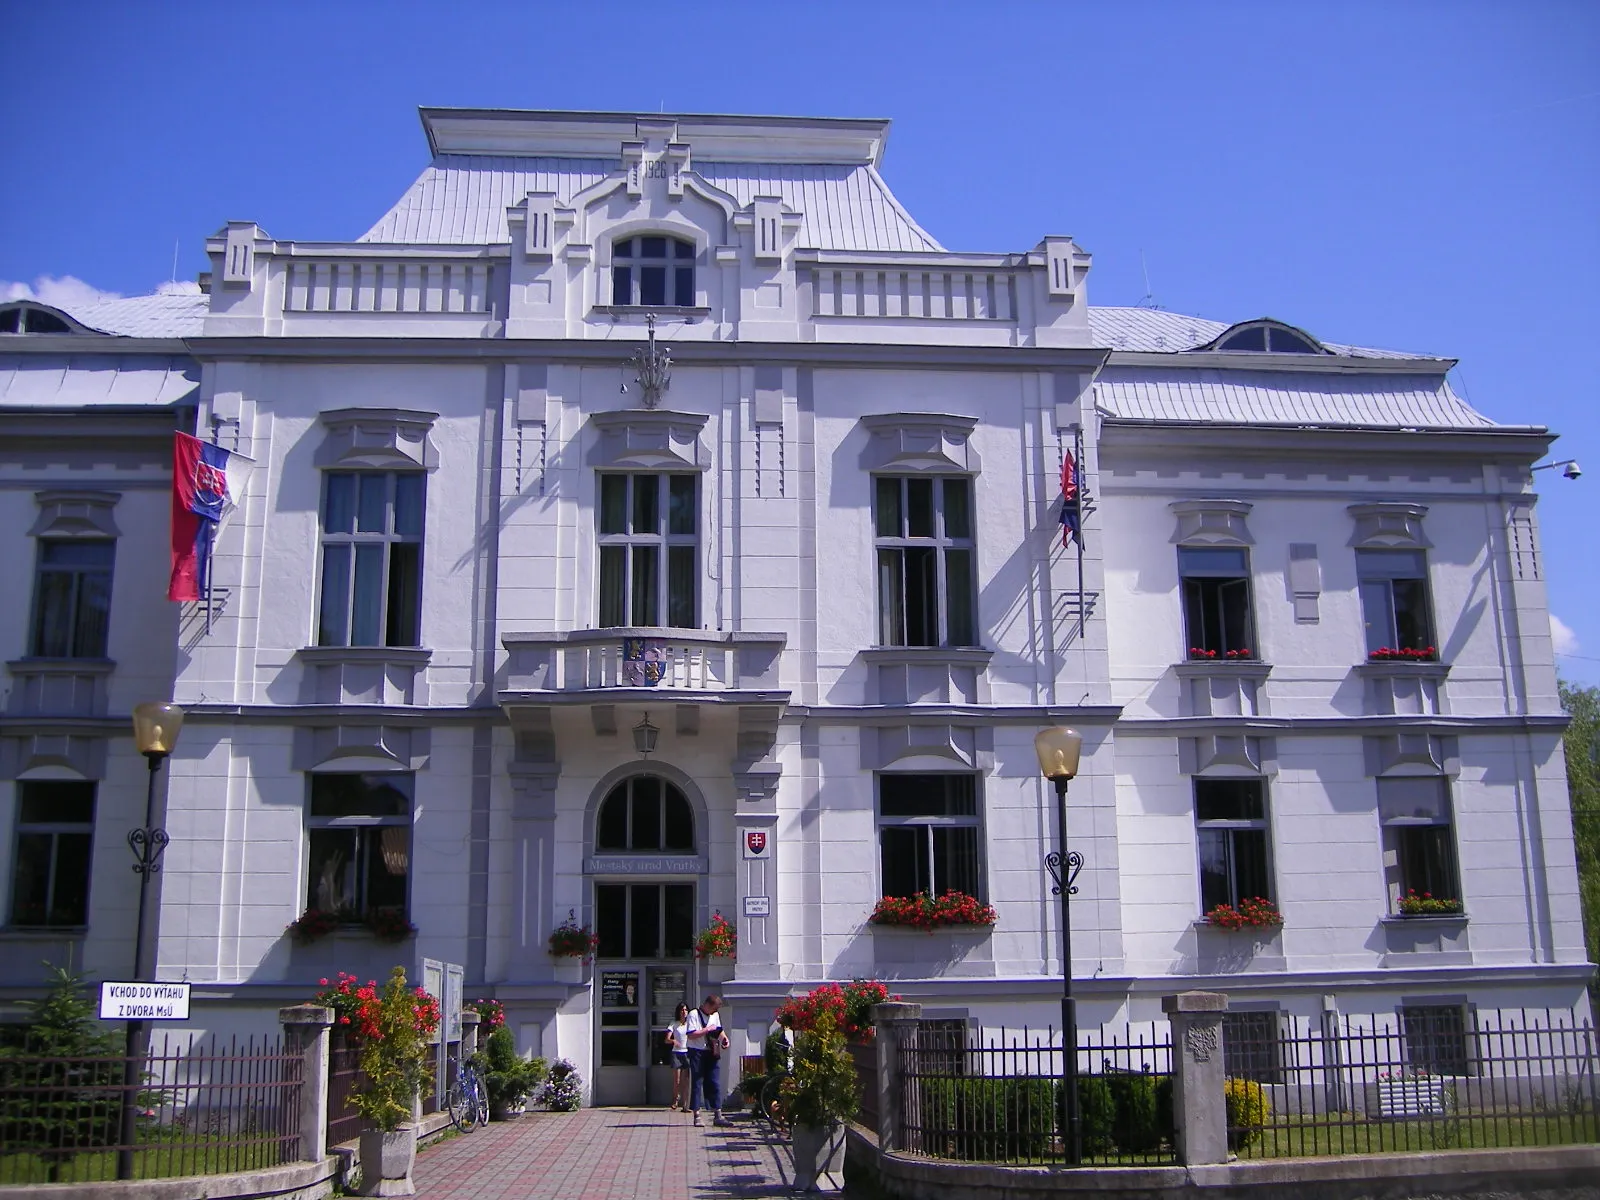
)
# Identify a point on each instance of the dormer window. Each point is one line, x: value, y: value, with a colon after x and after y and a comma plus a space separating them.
x: 652, y: 272
x: 26, y: 318
x: 1265, y: 337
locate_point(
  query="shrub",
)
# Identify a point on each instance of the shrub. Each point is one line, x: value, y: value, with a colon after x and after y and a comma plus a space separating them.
x: 395, y: 1024
x: 1096, y: 1115
x: 822, y: 1089
x: 563, y: 1087
x: 509, y: 1078
x: 988, y: 1120
x: 1248, y: 1110
x: 1128, y: 1113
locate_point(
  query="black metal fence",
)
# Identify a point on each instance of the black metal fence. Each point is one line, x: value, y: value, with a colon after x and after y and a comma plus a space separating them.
x: 1427, y: 1078
x: 999, y: 1096
x: 201, y: 1108
x: 344, y: 1076
x: 865, y: 1057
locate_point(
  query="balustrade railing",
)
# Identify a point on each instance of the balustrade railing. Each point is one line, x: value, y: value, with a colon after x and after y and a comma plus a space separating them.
x: 377, y: 285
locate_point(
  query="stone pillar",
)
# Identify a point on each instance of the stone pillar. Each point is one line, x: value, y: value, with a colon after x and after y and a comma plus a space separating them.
x: 469, y: 1032
x: 896, y: 1025
x: 305, y: 1028
x: 1199, y: 1109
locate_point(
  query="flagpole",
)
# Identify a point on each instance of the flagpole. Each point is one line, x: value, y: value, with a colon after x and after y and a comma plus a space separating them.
x: 1077, y: 466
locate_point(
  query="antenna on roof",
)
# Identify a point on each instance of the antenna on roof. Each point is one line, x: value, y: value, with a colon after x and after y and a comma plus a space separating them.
x: 174, y: 276
x: 1148, y: 300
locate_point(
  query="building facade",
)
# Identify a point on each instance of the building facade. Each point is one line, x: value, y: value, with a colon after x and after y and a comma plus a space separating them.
x: 650, y: 520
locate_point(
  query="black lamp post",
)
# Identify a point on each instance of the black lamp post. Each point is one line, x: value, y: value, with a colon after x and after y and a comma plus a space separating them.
x: 155, y: 732
x: 1059, y: 750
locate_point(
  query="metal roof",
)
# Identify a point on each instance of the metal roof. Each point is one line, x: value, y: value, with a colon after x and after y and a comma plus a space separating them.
x: 1155, y: 331
x: 163, y: 315
x: 75, y: 381
x: 1367, y: 401
x: 462, y: 199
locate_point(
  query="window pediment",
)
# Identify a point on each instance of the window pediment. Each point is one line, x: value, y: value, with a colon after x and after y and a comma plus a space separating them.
x: 649, y: 440
x: 1211, y: 522
x: 67, y: 514
x: 1388, y: 525
x: 920, y: 442
x: 378, y: 437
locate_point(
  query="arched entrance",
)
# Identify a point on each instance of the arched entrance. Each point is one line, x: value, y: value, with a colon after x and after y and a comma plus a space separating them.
x: 645, y: 877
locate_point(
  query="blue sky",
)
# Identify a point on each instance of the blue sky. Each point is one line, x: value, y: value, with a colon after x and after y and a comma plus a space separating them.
x: 1424, y: 176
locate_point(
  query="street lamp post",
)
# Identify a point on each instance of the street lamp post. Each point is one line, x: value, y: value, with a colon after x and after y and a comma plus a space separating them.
x: 1059, y: 750
x: 155, y: 732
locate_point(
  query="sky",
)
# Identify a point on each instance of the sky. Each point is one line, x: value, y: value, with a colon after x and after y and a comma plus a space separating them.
x: 1417, y: 175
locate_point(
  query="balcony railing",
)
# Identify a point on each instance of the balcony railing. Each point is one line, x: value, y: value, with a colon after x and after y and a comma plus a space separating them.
x: 669, y: 659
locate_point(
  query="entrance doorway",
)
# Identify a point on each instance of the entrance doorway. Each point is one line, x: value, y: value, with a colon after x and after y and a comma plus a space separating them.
x: 645, y: 969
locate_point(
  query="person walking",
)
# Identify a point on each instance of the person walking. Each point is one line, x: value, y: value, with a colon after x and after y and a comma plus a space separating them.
x: 706, y: 1041
x: 678, y: 1038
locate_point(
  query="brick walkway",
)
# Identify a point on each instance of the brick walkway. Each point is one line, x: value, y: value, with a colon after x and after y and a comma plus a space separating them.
x: 626, y: 1153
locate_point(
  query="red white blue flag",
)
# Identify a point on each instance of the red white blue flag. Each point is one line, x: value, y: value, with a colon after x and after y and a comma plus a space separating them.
x: 1071, y: 491
x: 206, y: 484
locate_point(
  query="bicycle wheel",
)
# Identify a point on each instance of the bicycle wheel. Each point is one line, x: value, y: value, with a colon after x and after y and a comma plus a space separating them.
x: 481, y: 1095
x: 771, y: 1104
x: 459, y: 1103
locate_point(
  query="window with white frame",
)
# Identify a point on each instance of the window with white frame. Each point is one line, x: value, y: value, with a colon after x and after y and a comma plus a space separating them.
x: 72, y: 597
x: 1231, y: 823
x: 652, y: 271
x: 926, y: 579
x: 359, y: 829
x: 50, y: 868
x: 1419, y: 846
x: 371, y: 592
x: 1216, y: 600
x: 930, y: 834
x: 1394, y: 600
x: 649, y: 550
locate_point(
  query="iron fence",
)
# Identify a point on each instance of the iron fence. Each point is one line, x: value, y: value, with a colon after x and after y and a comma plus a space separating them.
x: 1427, y: 1078
x: 999, y: 1096
x: 865, y: 1057
x: 201, y: 1108
x: 344, y: 1076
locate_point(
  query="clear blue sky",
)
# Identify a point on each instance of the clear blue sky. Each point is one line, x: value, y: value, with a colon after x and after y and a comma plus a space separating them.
x: 1424, y: 176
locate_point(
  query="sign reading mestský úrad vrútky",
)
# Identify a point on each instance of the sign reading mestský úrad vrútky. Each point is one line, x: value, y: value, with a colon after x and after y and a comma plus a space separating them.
x: 144, y: 1001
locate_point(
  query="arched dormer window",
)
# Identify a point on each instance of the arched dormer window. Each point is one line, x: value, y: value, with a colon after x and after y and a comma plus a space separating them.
x: 645, y: 813
x: 34, y: 318
x: 1265, y: 337
x: 652, y: 271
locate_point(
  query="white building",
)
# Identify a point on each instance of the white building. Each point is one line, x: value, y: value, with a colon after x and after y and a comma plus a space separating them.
x: 837, y: 529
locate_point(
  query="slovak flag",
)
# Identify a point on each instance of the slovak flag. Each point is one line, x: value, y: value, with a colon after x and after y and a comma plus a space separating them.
x: 1071, y: 490
x: 207, y: 482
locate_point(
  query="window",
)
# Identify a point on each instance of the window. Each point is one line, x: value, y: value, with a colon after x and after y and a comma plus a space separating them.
x: 644, y: 920
x: 25, y: 319
x: 643, y: 520
x: 923, y: 528
x: 1216, y: 600
x: 1264, y: 336
x: 1419, y: 853
x: 72, y: 597
x: 50, y: 876
x: 371, y: 559
x: 1435, y: 1038
x: 1231, y: 819
x: 928, y: 834
x: 1250, y: 1046
x: 359, y: 827
x: 652, y: 272
x: 645, y: 813
x: 1394, y: 599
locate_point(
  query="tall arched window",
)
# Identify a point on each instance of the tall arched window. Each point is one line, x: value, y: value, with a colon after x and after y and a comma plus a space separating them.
x: 645, y: 813
x: 652, y: 271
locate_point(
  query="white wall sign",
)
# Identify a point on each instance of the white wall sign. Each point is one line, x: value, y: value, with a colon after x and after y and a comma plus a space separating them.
x: 758, y: 906
x: 144, y: 1001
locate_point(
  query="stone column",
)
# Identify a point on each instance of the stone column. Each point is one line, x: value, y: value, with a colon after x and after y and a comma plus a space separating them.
x: 896, y: 1025
x: 305, y: 1028
x: 469, y: 1032
x: 1199, y: 1108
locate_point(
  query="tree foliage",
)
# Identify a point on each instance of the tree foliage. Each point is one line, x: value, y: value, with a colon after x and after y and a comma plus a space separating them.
x: 1583, y: 781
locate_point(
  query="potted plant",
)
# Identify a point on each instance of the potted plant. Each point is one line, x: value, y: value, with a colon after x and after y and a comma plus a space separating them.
x: 1256, y: 912
x: 929, y: 912
x: 389, y: 925
x: 394, y: 1024
x: 850, y: 1006
x: 509, y: 1078
x: 718, y: 939
x: 572, y: 940
x: 1427, y: 905
x: 563, y: 1087
x: 312, y: 926
x: 820, y: 1096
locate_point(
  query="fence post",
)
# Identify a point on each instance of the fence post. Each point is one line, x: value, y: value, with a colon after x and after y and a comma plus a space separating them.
x: 305, y: 1028
x: 896, y: 1024
x: 1199, y: 1106
x: 469, y: 1031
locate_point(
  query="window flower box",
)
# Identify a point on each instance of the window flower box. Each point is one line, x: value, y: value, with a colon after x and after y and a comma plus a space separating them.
x: 1404, y: 654
x: 1243, y: 654
x: 1426, y: 904
x: 1255, y: 913
x: 572, y: 940
x: 927, y: 912
x: 718, y: 939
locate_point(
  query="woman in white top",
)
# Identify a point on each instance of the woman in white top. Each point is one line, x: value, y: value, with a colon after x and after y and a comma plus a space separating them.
x: 678, y: 1039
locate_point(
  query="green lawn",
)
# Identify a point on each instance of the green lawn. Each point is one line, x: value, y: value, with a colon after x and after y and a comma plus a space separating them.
x: 1349, y: 1133
x: 161, y: 1160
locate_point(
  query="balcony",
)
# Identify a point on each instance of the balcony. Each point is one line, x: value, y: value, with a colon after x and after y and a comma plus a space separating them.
x: 684, y: 663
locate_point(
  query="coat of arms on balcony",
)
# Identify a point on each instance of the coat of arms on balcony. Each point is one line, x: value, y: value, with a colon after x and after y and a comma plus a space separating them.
x: 642, y: 662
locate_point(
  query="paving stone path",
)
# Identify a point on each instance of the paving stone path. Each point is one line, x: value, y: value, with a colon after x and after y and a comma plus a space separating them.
x: 626, y: 1153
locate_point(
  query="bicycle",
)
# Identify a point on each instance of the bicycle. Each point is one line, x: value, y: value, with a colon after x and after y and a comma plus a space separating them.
x: 468, y: 1099
x: 771, y: 1103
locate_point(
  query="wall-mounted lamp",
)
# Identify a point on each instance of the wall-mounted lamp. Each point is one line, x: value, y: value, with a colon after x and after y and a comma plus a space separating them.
x: 1569, y: 466
x: 644, y: 736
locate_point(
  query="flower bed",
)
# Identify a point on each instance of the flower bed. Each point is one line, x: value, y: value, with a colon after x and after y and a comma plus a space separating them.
x: 1427, y: 905
x: 923, y: 911
x: 1254, y: 913
x: 718, y: 939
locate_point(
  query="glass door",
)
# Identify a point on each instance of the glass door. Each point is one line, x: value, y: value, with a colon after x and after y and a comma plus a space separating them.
x: 646, y: 933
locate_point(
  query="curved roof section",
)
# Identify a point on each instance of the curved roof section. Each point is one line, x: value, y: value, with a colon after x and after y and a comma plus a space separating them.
x: 461, y: 199
x: 1155, y: 331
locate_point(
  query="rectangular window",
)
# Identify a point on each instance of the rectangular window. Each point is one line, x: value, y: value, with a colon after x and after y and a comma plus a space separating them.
x: 1435, y: 1038
x: 1216, y: 601
x: 50, y: 871
x: 371, y: 559
x: 1251, y: 1046
x: 72, y: 597
x: 1394, y: 599
x: 1231, y: 820
x: 649, y: 550
x: 1419, y: 851
x: 929, y: 834
x: 926, y: 564
x: 644, y: 920
x: 359, y: 827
